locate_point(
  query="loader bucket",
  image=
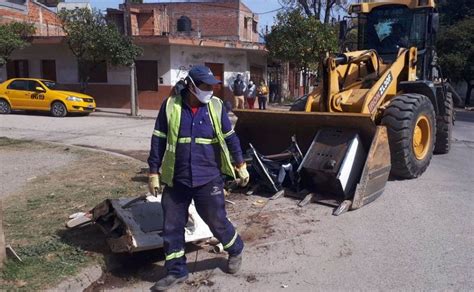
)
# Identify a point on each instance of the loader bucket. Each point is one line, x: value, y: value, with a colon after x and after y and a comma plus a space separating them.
x: 270, y: 132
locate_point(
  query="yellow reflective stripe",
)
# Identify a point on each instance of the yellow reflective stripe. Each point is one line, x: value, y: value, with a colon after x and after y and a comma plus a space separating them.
x: 231, y: 242
x: 170, y: 148
x: 206, y: 141
x: 159, y: 134
x: 229, y: 133
x: 184, y: 140
x: 175, y: 255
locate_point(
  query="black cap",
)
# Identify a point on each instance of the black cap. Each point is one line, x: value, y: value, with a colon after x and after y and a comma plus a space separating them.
x: 202, y: 74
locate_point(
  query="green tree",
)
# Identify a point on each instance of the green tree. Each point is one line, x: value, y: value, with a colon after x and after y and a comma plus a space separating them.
x: 455, y: 41
x: 304, y: 41
x: 93, y: 40
x: 320, y: 9
x: 14, y: 36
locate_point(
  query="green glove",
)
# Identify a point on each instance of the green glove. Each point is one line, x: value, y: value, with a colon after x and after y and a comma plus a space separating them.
x: 243, y: 174
x: 154, y: 183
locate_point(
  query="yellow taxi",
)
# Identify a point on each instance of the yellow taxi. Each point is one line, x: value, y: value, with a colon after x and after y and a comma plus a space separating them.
x: 42, y: 95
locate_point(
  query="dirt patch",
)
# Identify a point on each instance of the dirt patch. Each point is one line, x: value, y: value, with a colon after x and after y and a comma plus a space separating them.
x: 202, y: 280
x: 258, y: 227
x: 108, y: 281
x: 35, y: 214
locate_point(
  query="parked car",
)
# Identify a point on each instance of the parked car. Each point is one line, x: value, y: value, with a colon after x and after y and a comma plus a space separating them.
x: 42, y: 95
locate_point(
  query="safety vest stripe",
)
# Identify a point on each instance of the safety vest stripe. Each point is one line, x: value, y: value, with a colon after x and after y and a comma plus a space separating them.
x: 175, y: 255
x: 184, y: 140
x: 231, y: 242
x: 206, y: 141
x: 159, y: 134
x: 229, y: 133
x: 170, y: 148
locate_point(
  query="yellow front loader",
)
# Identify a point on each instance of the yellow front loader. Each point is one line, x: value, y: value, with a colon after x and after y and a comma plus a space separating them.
x: 385, y: 96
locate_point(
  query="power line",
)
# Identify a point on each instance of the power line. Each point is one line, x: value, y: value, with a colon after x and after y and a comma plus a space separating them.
x: 271, y: 11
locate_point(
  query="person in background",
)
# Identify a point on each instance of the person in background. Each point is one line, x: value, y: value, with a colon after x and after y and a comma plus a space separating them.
x: 250, y: 94
x: 192, y: 146
x: 262, y: 92
x: 238, y: 89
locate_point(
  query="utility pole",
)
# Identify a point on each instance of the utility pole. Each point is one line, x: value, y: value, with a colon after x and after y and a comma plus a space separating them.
x: 133, y: 72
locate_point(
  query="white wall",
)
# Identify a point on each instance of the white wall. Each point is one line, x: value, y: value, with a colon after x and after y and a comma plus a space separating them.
x: 173, y: 62
x: 184, y: 57
x: 161, y: 54
x: 66, y: 64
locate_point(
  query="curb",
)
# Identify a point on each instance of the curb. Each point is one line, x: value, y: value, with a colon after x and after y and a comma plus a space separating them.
x: 81, y: 281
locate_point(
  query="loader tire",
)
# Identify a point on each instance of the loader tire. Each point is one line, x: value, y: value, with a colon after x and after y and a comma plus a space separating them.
x: 411, y: 126
x: 444, y: 127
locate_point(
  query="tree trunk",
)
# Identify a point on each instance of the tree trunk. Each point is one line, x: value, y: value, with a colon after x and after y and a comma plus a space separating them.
x: 314, y: 5
x: 320, y: 4
x: 327, y: 11
x: 305, y: 79
x: 285, y: 82
x: 305, y: 6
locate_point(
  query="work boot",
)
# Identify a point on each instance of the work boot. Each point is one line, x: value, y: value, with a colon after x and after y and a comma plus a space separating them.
x: 234, y: 263
x: 168, y: 282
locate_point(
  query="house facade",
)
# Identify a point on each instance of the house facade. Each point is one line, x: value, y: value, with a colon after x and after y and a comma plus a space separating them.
x: 221, y: 34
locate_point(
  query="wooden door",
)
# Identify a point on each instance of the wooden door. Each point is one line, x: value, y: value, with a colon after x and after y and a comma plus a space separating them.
x: 218, y: 71
x: 147, y: 75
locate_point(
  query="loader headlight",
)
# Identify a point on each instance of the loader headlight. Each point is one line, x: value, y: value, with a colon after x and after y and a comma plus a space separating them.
x: 74, y: 98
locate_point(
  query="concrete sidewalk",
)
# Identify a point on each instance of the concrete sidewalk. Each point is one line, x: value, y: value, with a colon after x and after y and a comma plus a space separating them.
x: 152, y: 114
x: 125, y: 112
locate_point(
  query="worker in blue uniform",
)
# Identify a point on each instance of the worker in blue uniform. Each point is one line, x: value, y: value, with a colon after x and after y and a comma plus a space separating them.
x: 192, y: 146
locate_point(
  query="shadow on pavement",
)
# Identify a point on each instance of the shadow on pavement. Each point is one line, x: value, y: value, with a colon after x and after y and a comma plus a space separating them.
x: 122, y: 269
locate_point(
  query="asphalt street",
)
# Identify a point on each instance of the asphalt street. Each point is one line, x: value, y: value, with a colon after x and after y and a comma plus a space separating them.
x: 419, y: 235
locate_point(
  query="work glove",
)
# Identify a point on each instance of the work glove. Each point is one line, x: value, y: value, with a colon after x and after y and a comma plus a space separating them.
x: 154, y: 184
x: 243, y: 174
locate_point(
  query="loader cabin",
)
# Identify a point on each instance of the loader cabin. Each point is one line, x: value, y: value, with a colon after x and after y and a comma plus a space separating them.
x: 385, y: 26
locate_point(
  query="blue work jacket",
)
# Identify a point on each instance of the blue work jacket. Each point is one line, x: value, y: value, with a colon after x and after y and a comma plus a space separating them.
x: 196, y: 164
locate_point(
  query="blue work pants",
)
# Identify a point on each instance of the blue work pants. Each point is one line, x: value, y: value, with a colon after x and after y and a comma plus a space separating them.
x: 210, y: 205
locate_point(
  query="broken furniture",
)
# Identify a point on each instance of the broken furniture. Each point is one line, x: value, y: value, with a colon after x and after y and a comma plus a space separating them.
x: 136, y: 224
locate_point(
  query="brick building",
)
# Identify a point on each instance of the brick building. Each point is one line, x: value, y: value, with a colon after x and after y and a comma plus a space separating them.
x: 218, y: 19
x: 45, y: 20
x: 174, y: 36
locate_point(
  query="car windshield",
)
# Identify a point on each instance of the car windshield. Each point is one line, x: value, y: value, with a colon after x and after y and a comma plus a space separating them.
x: 49, y: 84
x: 388, y: 28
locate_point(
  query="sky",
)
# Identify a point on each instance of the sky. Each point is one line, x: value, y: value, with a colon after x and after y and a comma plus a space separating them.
x: 257, y: 6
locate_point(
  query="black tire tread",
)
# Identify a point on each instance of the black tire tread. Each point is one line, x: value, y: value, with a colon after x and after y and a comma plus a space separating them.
x: 399, y: 118
x: 444, y: 125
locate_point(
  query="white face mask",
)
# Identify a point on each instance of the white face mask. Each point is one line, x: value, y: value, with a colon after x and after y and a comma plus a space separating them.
x: 201, y: 95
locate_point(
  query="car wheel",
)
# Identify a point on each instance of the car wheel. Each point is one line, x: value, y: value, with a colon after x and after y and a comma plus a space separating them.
x: 58, y: 109
x: 4, y: 107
